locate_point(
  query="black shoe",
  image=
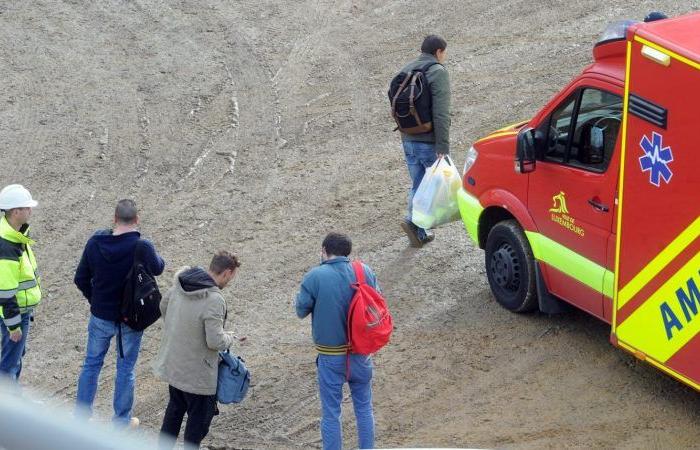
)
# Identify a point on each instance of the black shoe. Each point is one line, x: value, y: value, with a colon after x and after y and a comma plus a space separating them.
x: 429, y: 237
x: 412, y: 232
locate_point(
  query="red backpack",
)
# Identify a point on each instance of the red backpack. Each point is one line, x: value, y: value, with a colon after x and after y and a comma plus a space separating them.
x: 369, y: 321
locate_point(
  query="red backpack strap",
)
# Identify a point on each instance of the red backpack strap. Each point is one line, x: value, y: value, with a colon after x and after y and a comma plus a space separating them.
x: 359, y: 271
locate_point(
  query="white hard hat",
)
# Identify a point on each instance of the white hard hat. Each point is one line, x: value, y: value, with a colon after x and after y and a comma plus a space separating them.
x: 16, y: 196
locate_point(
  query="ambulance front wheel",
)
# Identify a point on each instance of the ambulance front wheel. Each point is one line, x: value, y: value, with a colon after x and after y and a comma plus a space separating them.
x: 510, y: 267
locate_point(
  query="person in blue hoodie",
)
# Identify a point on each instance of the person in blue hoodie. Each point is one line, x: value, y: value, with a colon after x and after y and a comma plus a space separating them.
x: 325, y: 293
x: 101, y: 274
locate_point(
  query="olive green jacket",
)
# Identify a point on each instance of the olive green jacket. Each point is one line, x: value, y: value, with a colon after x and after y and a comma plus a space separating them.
x: 439, y: 83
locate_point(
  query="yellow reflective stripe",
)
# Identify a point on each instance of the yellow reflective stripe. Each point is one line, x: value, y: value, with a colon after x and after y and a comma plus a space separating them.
x: 621, y: 183
x: 658, y: 263
x: 470, y: 209
x: 332, y: 350
x: 327, y: 352
x: 497, y: 134
x: 332, y: 347
x: 609, y: 283
x: 571, y: 263
x: 663, y: 50
x: 510, y: 127
x: 668, y: 320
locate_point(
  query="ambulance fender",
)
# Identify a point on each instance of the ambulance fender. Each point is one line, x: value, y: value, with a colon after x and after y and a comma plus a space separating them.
x: 502, y: 205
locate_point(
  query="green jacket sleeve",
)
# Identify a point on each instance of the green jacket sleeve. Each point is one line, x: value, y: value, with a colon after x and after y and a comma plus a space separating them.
x: 439, y: 82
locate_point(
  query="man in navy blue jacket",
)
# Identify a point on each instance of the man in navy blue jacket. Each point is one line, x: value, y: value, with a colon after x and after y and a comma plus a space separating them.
x: 101, y: 275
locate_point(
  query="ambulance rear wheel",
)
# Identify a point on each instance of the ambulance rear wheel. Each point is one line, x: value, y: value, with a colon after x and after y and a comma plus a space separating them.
x: 510, y: 267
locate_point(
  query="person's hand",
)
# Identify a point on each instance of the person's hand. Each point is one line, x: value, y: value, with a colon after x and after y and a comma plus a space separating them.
x: 16, y: 336
x: 240, y: 339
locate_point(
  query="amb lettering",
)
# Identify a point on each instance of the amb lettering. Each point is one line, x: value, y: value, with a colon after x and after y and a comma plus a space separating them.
x: 687, y: 299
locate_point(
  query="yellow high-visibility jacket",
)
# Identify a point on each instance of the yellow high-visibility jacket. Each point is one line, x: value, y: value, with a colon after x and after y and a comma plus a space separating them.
x: 19, y: 279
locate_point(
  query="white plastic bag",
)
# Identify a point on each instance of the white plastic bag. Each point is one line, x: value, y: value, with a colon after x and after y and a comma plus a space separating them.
x: 435, y: 201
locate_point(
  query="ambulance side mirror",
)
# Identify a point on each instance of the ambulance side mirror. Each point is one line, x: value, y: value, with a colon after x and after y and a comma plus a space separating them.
x: 525, y: 153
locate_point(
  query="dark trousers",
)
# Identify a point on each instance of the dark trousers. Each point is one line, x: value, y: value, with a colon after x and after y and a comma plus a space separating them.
x: 200, y: 410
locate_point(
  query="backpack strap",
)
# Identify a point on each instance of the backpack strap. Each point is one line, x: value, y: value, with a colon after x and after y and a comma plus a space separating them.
x: 359, y: 272
x: 138, y: 252
x: 411, y: 101
x: 427, y: 66
x: 138, y: 257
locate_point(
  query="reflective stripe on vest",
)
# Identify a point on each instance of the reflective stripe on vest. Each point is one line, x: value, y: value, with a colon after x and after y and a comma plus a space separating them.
x: 8, y: 293
x: 24, y: 285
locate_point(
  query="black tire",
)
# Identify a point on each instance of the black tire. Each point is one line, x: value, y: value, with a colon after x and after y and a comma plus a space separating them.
x: 510, y: 267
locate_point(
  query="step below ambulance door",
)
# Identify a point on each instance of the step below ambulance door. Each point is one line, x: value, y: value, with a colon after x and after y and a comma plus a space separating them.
x: 571, y: 196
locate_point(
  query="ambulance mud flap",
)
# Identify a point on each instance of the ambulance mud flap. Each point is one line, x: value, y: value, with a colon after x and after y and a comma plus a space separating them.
x: 548, y: 303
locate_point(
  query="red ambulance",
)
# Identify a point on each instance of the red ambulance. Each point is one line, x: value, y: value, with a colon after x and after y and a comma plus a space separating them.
x: 601, y: 208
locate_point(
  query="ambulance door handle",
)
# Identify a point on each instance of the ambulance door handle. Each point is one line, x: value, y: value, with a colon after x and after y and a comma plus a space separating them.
x: 599, y: 206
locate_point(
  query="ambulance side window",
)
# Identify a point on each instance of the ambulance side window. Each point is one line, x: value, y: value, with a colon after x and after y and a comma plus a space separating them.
x: 598, y: 122
x: 557, y: 131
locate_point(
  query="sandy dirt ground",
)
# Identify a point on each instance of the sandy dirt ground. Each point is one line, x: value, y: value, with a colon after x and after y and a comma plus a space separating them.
x: 259, y: 126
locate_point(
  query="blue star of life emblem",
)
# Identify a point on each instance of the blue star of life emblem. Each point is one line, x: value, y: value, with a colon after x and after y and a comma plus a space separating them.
x: 656, y: 159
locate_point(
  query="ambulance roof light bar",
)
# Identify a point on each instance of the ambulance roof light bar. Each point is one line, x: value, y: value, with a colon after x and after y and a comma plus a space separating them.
x: 615, y: 31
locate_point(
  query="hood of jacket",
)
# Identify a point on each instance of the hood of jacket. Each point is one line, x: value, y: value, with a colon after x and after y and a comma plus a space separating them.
x: 195, y: 282
x: 116, y: 247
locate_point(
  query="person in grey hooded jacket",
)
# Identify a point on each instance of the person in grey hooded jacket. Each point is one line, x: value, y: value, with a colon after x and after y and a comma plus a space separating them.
x: 194, y: 312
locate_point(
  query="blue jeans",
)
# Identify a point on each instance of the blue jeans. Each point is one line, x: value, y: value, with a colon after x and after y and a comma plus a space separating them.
x: 12, y: 352
x: 419, y: 156
x: 100, y: 334
x: 331, y: 377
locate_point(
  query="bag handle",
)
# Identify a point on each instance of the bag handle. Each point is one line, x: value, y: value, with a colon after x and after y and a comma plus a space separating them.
x: 437, y: 162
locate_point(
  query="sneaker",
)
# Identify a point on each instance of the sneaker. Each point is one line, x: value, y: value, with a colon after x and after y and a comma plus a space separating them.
x: 412, y: 232
x: 134, y: 422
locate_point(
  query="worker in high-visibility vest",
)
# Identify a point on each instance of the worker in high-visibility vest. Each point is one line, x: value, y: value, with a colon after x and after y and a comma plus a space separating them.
x: 19, y: 280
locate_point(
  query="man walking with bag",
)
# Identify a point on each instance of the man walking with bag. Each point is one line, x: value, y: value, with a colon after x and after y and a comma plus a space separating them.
x: 422, y: 148
x: 194, y: 312
x: 326, y: 293
x: 19, y: 280
x: 101, y: 277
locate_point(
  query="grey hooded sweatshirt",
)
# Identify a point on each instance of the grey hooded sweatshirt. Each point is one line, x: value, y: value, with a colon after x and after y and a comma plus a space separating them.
x: 194, y: 312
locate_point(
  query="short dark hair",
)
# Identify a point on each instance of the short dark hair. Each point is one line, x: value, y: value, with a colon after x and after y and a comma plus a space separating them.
x: 126, y: 212
x: 222, y: 261
x: 433, y: 43
x: 337, y: 244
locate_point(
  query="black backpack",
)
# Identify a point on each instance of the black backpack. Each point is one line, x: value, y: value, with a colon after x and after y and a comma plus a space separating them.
x: 411, y: 101
x: 140, y: 306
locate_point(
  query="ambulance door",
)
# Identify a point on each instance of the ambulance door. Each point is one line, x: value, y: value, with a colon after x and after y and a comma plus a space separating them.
x: 657, y: 301
x: 571, y: 195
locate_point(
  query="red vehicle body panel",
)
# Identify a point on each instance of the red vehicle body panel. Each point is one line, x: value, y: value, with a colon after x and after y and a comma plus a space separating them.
x: 569, y: 209
x: 657, y: 317
x: 529, y: 197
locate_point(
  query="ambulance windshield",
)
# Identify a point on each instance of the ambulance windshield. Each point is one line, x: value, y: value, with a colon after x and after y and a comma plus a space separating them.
x: 615, y: 31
